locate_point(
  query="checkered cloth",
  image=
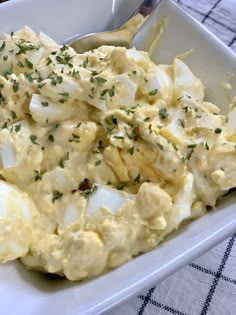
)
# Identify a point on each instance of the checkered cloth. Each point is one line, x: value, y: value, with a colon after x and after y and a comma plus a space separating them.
x: 208, y: 284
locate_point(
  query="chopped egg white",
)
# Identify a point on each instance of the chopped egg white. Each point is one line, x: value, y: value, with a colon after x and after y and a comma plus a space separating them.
x: 16, y: 222
x: 105, y: 197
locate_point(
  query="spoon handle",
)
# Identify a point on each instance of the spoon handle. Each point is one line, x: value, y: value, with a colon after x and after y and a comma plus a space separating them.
x: 129, y: 29
x: 146, y: 7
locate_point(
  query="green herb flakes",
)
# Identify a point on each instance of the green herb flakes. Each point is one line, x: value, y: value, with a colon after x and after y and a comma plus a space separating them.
x: 33, y: 139
x: 218, y: 130
x: 112, y: 92
x: 56, y: 195
x: 163, y: 113
x: 153, y: 92
x: 182, y: 122
x: 38, y: 176
x: 29, y: 63
x: 15, y: 86
x: 97, y: 163
x: 51, y: 138
x: 131, y: 150
x: 13, y: 114
x: 17, y: 128
x: 44, y: 104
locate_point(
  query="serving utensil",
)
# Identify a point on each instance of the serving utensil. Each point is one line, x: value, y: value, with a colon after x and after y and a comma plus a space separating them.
x: 122, y: 36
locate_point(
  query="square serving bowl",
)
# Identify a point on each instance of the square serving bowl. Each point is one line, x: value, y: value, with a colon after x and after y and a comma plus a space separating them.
x: 26, y: 292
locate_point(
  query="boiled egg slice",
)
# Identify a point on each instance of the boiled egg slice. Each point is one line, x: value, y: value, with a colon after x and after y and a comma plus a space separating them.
x: 45, y: 111
x: 182, y: 204
x: 106, y: 197
x: 185, y: 83
x: 16, y: 222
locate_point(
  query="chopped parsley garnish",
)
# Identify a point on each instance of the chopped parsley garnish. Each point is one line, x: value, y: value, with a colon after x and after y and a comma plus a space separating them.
x: 207, y: 146
x: 134, y: 134
x: 76, y: 74
x: 17, y: 128
x: 39, y: 86
x: 104, y: 92
x: 75, y: 138
x: 93, y: 190
x: 13, y: 114
x: 100, y: 81
x: 59, y: 79
x: 3, y: 45
x: 61, y: 163
x: 153, y: 92
x: 160, y: 146
x: 64, y: 47
x: 56, y: 195
x: 20, y: 64
x: 91, y: 95
x: 131, y: 150
x: 65, y: 159
x: 49, y: 61
x: 25, y: 46
x: 186, y: 109
x: 51, y: 138
x: 163, y: 113
x: 29, y: 63
x: 15, y: 86
x: 78, y: 125
x: 218, y: 130
x: 112, y: 92
x: 45, y: 104
x: 56, y: 126
x: 38, y: 176
x: 33, y: 139
x: 64, y: 94
x: 188, y: 156
x: 132, y: 109
x: 85, y: 63
x: 55, y: 79
x: 64, y: 59
x: 97, y: 163
x: 182, y: 122
x: 29, y: 76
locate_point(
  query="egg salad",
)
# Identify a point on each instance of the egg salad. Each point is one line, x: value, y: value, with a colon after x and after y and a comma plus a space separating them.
x: 102, y: 154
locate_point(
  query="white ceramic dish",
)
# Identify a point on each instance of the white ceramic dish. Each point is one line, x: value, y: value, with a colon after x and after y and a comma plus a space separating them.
x: 24, y: 292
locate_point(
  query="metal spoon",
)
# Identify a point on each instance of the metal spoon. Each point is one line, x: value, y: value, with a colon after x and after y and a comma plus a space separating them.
x: 121, y: 36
